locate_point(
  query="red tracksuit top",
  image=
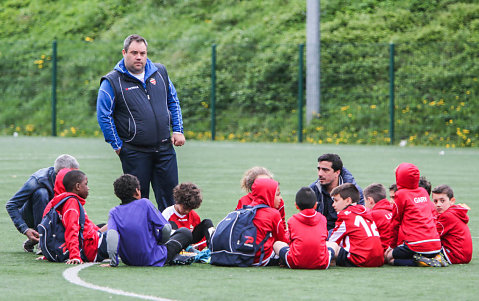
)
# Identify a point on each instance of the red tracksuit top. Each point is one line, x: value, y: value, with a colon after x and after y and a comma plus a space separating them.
x: 69, y: 213
x: 248, y: 199
x: 382, y: 214
x: 356, y: 232
x: 188, y: 221
x: 267, y: 220
x: 307, y: 234
x: 413, y: 214
x: 455, y: 235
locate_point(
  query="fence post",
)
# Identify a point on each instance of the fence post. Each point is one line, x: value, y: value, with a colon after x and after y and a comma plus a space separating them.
x: 300, y: 93
x: 54, y: 88
x: 391, y: 92
x: 213, y: 91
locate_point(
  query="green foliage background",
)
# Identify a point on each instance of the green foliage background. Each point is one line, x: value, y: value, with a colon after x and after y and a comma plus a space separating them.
x: 437, y: 46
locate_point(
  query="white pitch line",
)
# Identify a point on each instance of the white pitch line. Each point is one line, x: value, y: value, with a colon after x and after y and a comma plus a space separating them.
x: 71, y: 275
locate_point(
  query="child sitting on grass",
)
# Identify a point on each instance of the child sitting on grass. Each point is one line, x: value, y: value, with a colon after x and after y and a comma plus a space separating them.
x: 182, y: 214
x: 355, y: 230
x: 452, y: 226
x: 137, y: 231
x: 308, y: 248
x: 381, y: 209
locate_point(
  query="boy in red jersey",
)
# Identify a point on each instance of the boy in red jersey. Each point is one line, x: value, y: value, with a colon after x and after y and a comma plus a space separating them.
x: 308, y: 248
x: 94, y: 242
x: 267, y: 220
x: 413, y: 217
x: 355, y: 230
x: 381, y: 209
x: 182, y: 214
x: 257, y: 172
x: 452, y: 226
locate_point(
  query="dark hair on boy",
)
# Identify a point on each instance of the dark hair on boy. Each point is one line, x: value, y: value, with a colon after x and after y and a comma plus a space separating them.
x: 347, y: 190
x: 445, y: 189
x: 188, y: 195
x: 125, y: 188
x: 424, y: 183
x: 335, y: 160
x: 375, y: 191
x: 393, y: 187
x: 72, y: 178
x: 305, y: 198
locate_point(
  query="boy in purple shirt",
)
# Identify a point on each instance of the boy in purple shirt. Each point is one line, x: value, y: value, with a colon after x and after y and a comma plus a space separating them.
x: 137, y: 231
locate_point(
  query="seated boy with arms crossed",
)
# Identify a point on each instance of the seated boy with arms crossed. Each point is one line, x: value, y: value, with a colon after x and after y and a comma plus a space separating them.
x: 308, y: 248
x: 182, y: 214
x: 137, y: 231
x: 413, y: 222
x: 452, y: 226
x: 381, y: 209
x: 355, y: 230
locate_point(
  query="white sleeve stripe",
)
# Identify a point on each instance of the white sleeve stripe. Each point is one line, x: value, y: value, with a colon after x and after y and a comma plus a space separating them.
x: 337, y: 234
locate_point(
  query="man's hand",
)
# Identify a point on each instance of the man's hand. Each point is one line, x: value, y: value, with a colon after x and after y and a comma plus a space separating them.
x: 32, y: 235
x: 74, y: 261
x: 178, y: 139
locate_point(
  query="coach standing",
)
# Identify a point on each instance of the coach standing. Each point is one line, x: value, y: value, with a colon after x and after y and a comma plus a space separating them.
x: 136, y: 105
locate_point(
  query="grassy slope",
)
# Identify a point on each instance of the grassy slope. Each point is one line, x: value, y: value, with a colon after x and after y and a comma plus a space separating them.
x: 217, y: 169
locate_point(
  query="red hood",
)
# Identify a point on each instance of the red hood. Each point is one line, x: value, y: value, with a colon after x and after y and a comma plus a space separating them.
x: 309, y: 217
x: 407, y: 176
x: 383, y: 204
x: 460, y: 212
x: 59, y: 188
x: 359, y: 210
x: 263, y: 191
x: 60, y: 197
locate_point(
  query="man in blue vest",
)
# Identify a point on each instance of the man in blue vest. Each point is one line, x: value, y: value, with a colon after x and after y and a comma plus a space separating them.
x: 331, y: 174
x: 136, y: 105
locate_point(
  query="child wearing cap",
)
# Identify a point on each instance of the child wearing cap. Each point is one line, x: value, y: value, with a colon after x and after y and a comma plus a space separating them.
x: 308, y: 248
x: 452, y: 226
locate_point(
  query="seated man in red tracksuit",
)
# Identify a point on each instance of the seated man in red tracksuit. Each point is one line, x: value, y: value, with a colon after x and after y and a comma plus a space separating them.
x: 308, y: 248
x: 94, y: 242
x: 413, y: 221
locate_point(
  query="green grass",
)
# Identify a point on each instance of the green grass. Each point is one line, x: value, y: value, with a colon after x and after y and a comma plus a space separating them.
x: 217, y: 168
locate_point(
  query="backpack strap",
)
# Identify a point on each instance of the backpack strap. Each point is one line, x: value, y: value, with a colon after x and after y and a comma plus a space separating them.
x: 268, y: 235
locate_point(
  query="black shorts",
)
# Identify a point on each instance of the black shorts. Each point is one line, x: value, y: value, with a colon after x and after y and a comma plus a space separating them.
x: 283, y: 255
x: 102, y: 253
x: 343, y: 260
x: 403, y: 252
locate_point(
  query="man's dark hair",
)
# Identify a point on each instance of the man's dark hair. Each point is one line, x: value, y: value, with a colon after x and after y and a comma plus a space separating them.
x: 131, y: 38
x: 335, y: 160
x: 188, y: 195
x: 347, y: 190
x: 125, y: 188
x: 375, y: 191
x: 446, y: 189
x: 424, y: 183
x: 393, y: 187
x: 305, y: 198
x: 72, y: 178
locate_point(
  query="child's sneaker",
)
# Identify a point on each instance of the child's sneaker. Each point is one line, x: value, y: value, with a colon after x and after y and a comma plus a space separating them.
x: 181, y: 259
x: 423, y: 261
x: 28, y: 245
x: 442, y: 260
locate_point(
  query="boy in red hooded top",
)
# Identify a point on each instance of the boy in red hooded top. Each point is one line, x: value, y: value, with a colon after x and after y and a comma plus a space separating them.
x: 308, y: 248
x: 413, y: 216
x: 94, y: 244
x: 267, y: 220
x: 355, y: 230
x: 452, y: 226
x: 381, y: 209
x: 257, y: 172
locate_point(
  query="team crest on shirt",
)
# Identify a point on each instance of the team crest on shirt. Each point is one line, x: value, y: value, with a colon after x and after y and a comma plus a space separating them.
x: 153, y: 81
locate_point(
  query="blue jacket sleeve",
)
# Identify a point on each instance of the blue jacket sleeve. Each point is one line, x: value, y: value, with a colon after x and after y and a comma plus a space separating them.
x: 174, y: 108
x: 18, y: 200
x: 105, y: 104
x: 348, y: 178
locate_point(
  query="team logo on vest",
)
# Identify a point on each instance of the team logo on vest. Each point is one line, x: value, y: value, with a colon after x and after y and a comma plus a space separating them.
x: 153, y: 81
x: 131, y: 88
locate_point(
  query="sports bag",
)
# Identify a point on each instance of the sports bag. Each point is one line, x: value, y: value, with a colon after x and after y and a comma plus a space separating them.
x: 52, y: 234
x: 234, y: 241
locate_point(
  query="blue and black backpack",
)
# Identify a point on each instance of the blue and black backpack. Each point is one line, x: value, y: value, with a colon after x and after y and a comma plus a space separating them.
x: 52, y: 234
x: 234, y: 240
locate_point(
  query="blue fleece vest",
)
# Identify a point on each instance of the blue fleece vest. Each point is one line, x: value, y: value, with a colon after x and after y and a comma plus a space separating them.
x: 141, y: 115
